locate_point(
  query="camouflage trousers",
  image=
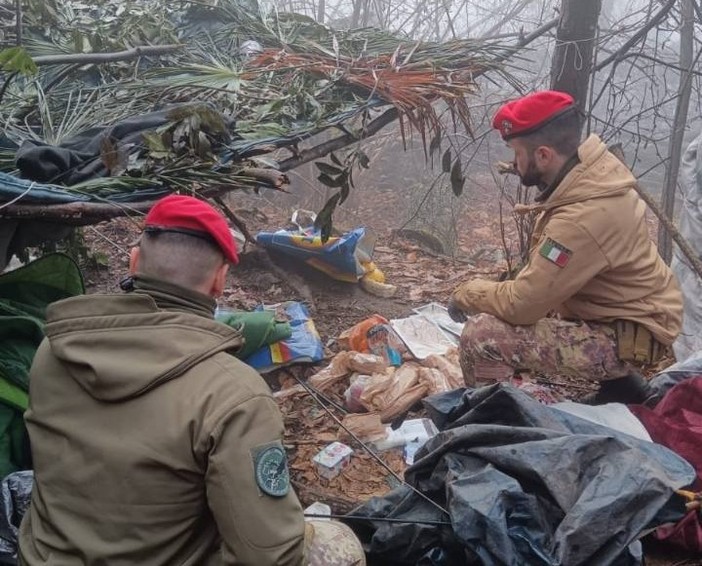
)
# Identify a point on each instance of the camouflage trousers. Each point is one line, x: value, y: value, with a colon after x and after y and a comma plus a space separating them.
x: 330, y: 543
x: 492, y: 350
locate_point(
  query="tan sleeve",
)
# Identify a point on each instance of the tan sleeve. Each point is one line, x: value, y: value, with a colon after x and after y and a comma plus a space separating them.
x: 542, y: 286
x: 256, y: 528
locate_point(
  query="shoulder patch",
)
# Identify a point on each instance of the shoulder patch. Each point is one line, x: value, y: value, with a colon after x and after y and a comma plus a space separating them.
x: 555, y: 252
x: 271, y: 469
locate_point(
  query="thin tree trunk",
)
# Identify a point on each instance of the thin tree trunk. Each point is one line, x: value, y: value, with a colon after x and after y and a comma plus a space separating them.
x: 321, y: 9
x: 572, y: 61
x: 687, y: 38
x: 355, y: 17
x: 18, y: 23
x: 366, y: 13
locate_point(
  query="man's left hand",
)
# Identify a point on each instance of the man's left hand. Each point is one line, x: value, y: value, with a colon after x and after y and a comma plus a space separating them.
x: 455, y: 312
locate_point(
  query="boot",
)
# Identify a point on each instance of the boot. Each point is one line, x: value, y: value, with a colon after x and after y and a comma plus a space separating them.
x: 630, y: 390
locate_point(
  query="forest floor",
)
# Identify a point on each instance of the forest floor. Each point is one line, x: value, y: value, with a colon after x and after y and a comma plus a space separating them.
x: 421, y: 276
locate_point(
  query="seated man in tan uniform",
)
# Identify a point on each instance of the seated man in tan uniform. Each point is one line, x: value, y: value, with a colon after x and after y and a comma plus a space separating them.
x: 595, y: 300
x: 151, y: 444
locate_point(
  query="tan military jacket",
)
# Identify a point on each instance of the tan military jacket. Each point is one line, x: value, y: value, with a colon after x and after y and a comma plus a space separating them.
x: 152, y: 445
x: 591, y: 257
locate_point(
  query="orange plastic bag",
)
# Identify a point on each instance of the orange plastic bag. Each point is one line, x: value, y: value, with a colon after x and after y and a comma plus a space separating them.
x: 374, y: 335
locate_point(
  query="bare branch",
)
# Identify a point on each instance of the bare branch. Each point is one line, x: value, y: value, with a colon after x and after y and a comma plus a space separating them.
x: 638, y: 36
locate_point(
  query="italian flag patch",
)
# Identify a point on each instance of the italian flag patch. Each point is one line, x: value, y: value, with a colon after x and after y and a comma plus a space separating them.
x: 555, y: 252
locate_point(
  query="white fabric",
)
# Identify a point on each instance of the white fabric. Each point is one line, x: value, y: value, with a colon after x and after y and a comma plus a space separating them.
x: 690, y: 339
x: 612, y: 415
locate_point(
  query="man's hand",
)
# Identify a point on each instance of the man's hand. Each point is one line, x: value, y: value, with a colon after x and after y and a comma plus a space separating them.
x: 455, y: 312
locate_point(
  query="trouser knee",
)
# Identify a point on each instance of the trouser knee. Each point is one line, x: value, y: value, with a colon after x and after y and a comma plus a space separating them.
x: 331, y: 543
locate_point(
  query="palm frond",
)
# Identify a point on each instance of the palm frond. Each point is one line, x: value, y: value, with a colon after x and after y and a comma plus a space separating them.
x: 302, y: 78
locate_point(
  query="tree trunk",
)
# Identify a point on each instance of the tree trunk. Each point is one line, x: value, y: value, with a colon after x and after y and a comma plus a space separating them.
x: 572, y: 61
x: 687, y: 38
x: 321, y: 9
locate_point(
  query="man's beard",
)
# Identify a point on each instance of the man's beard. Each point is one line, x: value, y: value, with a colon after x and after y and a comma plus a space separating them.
x: 531, y: 177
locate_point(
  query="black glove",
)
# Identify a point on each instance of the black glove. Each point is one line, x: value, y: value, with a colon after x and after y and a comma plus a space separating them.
x: 455, y: 312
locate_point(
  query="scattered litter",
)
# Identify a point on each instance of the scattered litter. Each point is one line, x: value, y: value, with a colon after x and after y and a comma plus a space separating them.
x: 412, y: 430
x: 422, y: 336
x: 304, y: 344
x: 410, y: 450
x: 330, y: 461
x: 340, y: 257
x: 370, y: 285
x: 366, y: 427
x: 345, y: 363
x: 524, y: 483
x: 439, y: 315
x: 449, y: 366
x: 374, y: 335
x: 352, y: 395
x: 395, y: 394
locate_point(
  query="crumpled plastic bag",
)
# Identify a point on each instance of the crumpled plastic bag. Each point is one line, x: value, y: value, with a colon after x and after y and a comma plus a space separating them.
x: 374, y: 335
x: 449, y: 366
x: 15, y: 495
x: 366, y: 427
x: 395, y: 393
x: 345, y: 363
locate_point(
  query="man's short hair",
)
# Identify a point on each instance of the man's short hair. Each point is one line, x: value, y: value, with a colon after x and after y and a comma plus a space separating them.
x: 562, y: 133
x: 178, y: 258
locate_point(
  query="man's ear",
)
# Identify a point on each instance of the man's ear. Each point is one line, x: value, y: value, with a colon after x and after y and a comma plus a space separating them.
x: 544, y: 156
x: 134, y: 256
x: 219, y: 281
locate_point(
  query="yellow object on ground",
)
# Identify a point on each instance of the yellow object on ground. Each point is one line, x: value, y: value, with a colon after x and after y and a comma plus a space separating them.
x: 378, y: 288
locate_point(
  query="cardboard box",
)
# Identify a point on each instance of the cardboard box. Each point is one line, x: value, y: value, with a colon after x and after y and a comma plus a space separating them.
x: 332, y: 460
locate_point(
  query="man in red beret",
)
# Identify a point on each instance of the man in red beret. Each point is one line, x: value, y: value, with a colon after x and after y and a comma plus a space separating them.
x: 151, y: 444
x: 595, y: 300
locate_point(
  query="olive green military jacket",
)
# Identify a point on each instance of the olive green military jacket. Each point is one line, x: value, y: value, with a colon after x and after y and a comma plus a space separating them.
x: 591, y: 257
x: 151, y: 445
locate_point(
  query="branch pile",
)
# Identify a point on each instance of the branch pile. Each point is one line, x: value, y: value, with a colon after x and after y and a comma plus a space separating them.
x: 237, y: 83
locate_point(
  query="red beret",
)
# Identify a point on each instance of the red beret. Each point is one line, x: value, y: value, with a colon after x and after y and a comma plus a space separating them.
x: 529, y: 113
x: 189, y: 215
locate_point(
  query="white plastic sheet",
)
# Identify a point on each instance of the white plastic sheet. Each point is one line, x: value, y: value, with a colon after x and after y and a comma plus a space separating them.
x: 690, y: 339
x: 612, y: 415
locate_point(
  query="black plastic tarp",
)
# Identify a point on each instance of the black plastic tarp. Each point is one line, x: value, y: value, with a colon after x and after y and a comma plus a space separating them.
x: 523, y: 483
x: 15, y: 494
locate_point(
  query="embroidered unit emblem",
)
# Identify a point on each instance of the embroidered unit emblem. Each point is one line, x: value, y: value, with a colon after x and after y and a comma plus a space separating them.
x: 271, y: 468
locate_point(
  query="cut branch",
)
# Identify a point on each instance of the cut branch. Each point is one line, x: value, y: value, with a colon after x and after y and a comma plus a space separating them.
x: 270, y: 177
x: 234, y: 219
x: 74, y: 213
x: 93, y: 58
x: 327, y: 147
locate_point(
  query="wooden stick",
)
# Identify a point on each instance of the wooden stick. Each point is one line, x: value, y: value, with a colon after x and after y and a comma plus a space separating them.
x: 229, y: 213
